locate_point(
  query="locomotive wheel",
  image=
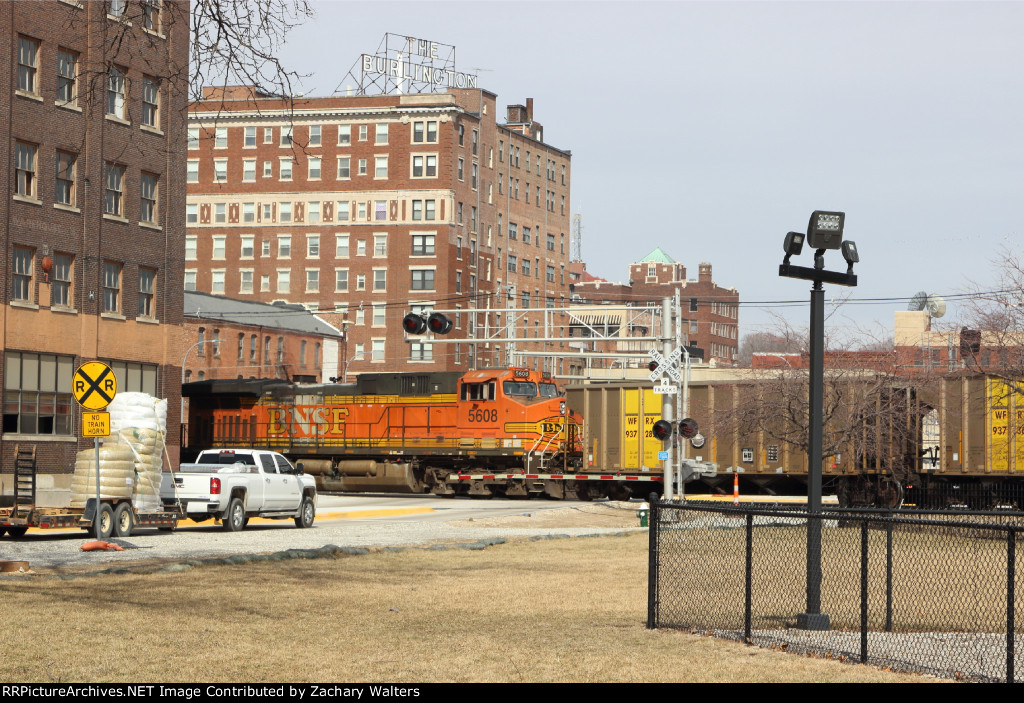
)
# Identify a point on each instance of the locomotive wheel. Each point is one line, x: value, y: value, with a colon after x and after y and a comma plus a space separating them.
x: 619, y: 491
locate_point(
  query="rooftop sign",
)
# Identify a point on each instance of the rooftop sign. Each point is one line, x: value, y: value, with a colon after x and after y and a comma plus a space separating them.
x: 404, y: 64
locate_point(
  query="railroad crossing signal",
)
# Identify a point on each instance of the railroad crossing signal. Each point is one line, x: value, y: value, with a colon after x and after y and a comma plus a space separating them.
x: 94, y: 385
x: 666, y: 365
x: 418, y: 323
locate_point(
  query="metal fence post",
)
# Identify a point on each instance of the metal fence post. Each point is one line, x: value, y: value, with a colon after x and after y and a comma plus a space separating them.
x: 749, y: 587
x: 888, y: 574
x: 864, y: 590
x: 653, y: 526
x: 1011, y: 577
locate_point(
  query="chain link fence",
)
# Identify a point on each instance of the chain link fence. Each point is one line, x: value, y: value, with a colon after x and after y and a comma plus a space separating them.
x: 925, y: 592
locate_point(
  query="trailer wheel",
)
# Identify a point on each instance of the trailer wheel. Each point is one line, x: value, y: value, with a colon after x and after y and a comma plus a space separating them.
x: 124, y: 520
x: 17, y: 530
x: 3, y: 529
x: 306, y: 514
x: 106, y: 521
x: 234, y: 520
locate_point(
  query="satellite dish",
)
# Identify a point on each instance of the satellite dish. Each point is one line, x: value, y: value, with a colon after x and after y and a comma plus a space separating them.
x: 918, y: 302
x: 935, y: 305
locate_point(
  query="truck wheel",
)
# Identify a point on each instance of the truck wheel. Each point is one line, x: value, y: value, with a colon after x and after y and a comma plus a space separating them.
x: 17, y: 530
x: 306, y: 513
x: 124, y: 520
x: 106, y: 521
x: 234, y: 520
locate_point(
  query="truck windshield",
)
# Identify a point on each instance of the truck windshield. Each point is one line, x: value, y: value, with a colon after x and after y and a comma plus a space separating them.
x: 526, y: 389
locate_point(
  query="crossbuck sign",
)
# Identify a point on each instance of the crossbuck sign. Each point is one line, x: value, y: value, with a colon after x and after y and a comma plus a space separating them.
x: 666, y: 365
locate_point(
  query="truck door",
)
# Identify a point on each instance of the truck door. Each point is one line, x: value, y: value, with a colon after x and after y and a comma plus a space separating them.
x: 287, y: 491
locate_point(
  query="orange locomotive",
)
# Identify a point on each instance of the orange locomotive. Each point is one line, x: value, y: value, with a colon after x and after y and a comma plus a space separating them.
x: 484, y: 432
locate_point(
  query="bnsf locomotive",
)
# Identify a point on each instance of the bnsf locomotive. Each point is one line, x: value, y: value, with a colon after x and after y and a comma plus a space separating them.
x: 494, y: 431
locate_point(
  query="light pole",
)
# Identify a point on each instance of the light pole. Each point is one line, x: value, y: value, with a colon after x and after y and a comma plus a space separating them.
x: 197, y: 344
x: 824, y: 231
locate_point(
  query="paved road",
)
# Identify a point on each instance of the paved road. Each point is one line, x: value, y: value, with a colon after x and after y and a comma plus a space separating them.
x: 344, y: 521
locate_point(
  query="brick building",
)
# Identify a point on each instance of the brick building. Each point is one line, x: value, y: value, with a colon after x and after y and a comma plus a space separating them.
x: 366, y: 207
x: 92, y: 223
x: 229, y: 338
x: 710, y: 311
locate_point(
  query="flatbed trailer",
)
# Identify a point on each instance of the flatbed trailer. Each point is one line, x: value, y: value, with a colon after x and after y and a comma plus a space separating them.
x: 118, y: 518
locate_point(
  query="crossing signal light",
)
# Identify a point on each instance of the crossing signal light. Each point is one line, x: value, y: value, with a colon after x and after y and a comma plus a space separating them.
x: 662, y: 430
x: 652, y: 366
x: 688, y: 428
x: 439, y: 324
x: 414, y: 324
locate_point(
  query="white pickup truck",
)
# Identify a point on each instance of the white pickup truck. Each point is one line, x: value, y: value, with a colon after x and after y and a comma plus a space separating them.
x: 232, y: 485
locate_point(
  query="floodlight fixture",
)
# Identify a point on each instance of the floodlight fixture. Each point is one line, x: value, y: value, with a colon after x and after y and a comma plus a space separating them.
x: 793, y: 245
x: 825, y: 230
x: 850, y: 252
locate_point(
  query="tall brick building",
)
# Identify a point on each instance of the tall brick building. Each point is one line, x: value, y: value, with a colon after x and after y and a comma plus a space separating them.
x: 366, y: 207
x: 92, y: 217
x: 710, y: 311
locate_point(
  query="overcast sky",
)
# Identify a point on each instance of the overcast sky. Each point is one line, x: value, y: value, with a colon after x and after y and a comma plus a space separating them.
x: 710, y: 129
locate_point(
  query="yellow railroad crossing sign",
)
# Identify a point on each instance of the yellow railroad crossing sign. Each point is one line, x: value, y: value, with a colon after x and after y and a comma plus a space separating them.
x: 94, y: 385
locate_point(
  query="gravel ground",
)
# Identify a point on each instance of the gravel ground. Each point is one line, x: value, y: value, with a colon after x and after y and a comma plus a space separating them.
x: 51, y: 552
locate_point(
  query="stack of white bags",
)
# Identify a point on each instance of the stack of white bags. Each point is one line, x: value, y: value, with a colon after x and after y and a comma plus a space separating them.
x: 131, y: 458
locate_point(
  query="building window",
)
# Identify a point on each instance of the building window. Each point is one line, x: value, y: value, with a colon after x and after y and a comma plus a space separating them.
x: 151, y: 15
x: 249, y: 170
x: 341, y: 247
x: 25, y: 169
x: 62, y: 280
x: 248, y: 212
x: 462, y: 168
x: 344, y: 167
x: 284, y: 280
x: 150, y: 102
x: 380, y: 210
x: 284, y: 246
x: 147, y: 289
x: 268, y: 169
x: 220, y: 169
x: 342, y: 213
x: 248, y: 248
x: 21, y: 283
x: 250, y: 137
x: 193, y: 137
x: 217, y: 278
x: 363, y: 132
x: 314, y: 168
x: 64, y: 192
x: 286, y: 170
x: 380, y: 245
x: 190, y: 248
x: 28, y: 57
x: 424, y: 166
x: 280, y: 350
x: 313, y: 212
x: 245, y: 281
x: 381, y: 133
x: 115, y: 92
x: 381, y: 167
x: 218, y: 248
x: 192, y: 171
x: 424, y: 132
x: 423, y: 245
x: 312, y: 280
x: 190, y: 279
x: 285, y: 212
x: 362, y: 167
x: 380, y: 279
x: 421, y: 351
x: 286, y: 135
x: 148, y: 200
x: 32, y: 404
x: 344, y: 135
x: 220, y: 213
x: 312, y: 246
x: 379, y: 315
x: 67, y: 72
x: 377, y: 350
x: 113, y: 184
x: 423, y: 279
x: 111, y: 287
x: 314, y: 135
x: 340, y: 280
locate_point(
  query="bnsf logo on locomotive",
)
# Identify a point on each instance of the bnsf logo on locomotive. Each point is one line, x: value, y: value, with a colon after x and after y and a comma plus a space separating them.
x: 306, y: 420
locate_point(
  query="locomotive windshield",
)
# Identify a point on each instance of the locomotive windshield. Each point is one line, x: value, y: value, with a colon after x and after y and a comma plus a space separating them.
x: 548, y: 390
x: 526, y: 389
